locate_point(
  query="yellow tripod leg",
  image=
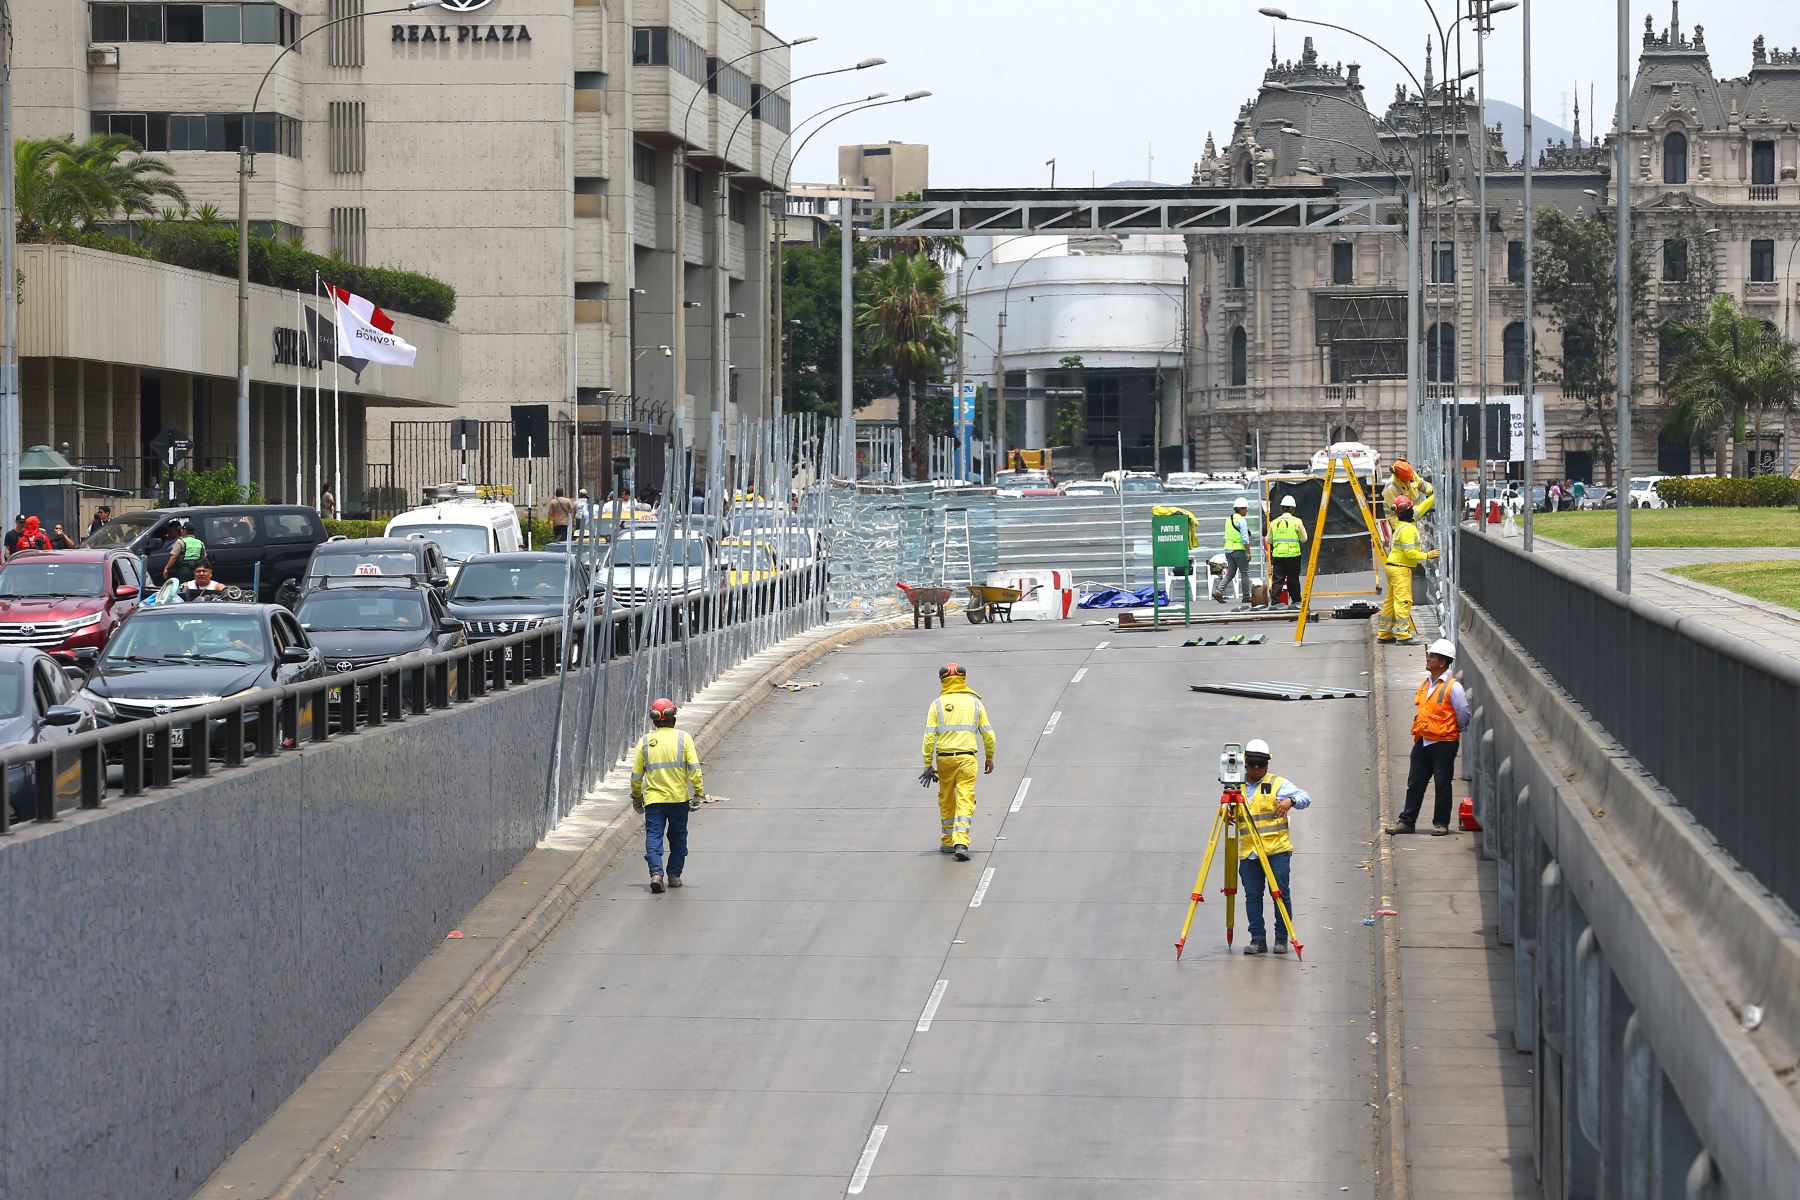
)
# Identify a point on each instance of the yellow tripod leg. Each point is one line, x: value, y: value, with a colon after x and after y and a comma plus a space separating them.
x: 1197, y: 896
x: 1262, y: 856
x: 1312, y: 558
x: 1235, y: 808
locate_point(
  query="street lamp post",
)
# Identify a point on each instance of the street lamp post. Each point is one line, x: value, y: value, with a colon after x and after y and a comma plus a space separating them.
x: 246, y: 168
x: 1621, y: 172
x: 1530, y: 367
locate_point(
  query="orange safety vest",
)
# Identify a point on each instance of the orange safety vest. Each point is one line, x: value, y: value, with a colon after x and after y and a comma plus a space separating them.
x: 1436, y: 721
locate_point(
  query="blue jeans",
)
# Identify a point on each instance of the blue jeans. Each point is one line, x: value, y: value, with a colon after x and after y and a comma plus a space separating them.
x: 675, y: 818
x: 1250, y: 874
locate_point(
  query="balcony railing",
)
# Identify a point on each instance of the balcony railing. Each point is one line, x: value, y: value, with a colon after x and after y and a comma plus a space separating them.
x: 1765, y: 191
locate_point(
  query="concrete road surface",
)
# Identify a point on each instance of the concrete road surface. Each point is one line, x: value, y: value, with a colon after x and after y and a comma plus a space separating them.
x: 826, y: 1009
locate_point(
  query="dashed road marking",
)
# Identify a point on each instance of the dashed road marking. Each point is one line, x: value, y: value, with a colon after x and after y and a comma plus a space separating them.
x: 866, y: 1163
x: 1102, y: 645
x: 1054, y: 718
x: 1079, y: 675
x: 1019, y: 796
x: 931, y: 1006
x: 981, y: 888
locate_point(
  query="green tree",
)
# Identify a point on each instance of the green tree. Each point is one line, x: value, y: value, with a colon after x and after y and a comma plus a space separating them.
x: 899, y: 318
x: 61, y: 186
x: 1728, y: 365
x: 1574, y: 270
x: 811, y: 287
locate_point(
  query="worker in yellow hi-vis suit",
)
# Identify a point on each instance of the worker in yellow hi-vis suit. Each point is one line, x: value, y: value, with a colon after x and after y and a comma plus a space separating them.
x: 1395, y: 625
x: 1406, y: 482
x: 956, y: 727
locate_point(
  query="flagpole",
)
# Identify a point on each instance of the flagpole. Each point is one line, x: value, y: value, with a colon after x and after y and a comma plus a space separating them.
x: 299, y: 389
x: 318, y: 429
x: 337, y: 434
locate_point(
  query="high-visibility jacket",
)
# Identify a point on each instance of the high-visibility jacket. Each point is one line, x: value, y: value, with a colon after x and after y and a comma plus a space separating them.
x: 1403, y: 549
x: 1272, y: 825
x: 1286, y: 535
x: 1436, y: 719
x: 664, y: 766
x: 192, y: 548
x: 1422, y: 494
x: 1235, y: 532
x: 957, y: 722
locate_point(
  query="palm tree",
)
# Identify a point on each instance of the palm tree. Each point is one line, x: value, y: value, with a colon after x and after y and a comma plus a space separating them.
x: 900, y: 321
x: 61, y: 184
x: 1727, y: 365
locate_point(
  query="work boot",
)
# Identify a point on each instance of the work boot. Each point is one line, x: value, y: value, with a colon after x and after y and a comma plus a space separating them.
x: 656, y: 882
x: 1381, y: 641
x: 1440, y: 831
x: 674, y: 881
x: 946, y: 848
x: 1281, y: 945
x: 1257, y: 947
x: 1406, y: 641
x: 1399, y: 827
x: 962, y: 854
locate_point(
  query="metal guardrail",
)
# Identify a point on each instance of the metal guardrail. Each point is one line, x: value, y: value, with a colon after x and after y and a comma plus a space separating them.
x: 265, y: 723
x: 1716, y: 721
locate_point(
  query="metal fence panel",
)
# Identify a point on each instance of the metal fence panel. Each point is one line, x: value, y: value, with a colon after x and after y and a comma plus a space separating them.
x: 1084, y: 535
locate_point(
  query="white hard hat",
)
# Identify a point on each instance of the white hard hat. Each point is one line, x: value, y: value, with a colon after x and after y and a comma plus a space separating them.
x: 1287, y: 502
x: 1258, y: 746
x: 1241, y: 503
x: 1443, y: 647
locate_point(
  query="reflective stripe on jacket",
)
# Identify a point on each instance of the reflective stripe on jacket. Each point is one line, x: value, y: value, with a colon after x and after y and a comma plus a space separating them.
x: 1436, y: 720
x: 1286, y: 533
x: 663, y: 767
x: 957, y: 723
x: 1272, y: 825
x: 1403, y: 550
x: 1234, y: 535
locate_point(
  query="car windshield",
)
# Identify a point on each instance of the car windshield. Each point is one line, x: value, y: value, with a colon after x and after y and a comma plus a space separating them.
x: 641, y: 552
x: 459, y: 542
x: 369, y: 609
x: 120, y: 531
x: 365, y: 562
x: 188, y: 634
x: 1642, y: 485
x: 745, y: 557
x: 15, y: 685
x: 513, y: 581
x: 1143, y: 485
x: 48, y: 577
x: 1021, y: 479
x: 790, y: 543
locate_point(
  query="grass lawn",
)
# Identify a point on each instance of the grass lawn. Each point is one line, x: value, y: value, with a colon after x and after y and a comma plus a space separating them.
x: 1776, y: 582
x: 1654, y: 528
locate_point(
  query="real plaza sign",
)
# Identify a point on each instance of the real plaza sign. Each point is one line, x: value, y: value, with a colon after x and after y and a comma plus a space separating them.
x: 462, y: 33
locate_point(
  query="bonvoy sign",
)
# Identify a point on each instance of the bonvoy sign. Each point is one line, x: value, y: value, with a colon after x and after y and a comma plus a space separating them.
x: 462, y: 33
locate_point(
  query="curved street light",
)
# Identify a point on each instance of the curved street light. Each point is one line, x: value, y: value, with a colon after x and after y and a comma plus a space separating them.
x: 245, y: 170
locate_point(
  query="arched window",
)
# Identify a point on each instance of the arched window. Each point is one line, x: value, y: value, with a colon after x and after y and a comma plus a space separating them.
x: 1440, y: 353
x: 1240, y: 357
x: 1249, y: 170
x: 1675, y: 156
x: 1512, y: 353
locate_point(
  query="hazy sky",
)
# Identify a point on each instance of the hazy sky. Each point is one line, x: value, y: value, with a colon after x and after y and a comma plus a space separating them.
x: 1100, y: 85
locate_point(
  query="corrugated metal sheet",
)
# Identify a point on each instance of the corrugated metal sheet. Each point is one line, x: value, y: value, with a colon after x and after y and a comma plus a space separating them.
x: 1083, y: 535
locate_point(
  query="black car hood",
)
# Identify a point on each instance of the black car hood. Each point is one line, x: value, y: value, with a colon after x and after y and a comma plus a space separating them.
x: 506, y: 610
x: 157, y: 681
x: 362, y: 645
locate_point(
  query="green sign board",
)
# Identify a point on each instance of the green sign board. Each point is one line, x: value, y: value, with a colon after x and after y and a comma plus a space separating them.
x: 1169, y: 542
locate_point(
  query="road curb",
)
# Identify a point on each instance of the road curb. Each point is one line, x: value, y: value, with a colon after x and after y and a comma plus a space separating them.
x: 1393, y: 1166
x: 317, y: 1172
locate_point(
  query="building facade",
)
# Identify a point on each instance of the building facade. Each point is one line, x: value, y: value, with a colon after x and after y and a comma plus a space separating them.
x: 890, y: 169
x: 590, y: 176
x: 1301, y: 341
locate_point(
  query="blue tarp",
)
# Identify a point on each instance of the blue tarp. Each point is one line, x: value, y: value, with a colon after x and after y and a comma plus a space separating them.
x: 1114, y: 598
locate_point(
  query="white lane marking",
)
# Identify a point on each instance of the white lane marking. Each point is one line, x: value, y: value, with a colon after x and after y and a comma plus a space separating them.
x: 1079, y: 675
x: 1019, y: 796
x: 866, y: 1163
x: 1054, y: 718
x: 1102, y: 645
x: 981, y: 888
x: 931, y: 1006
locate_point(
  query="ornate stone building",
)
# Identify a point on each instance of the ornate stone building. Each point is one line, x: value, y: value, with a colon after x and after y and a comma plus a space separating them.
x: 1298, y: 340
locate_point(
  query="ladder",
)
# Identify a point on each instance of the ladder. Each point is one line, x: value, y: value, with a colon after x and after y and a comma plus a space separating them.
x: 959, y: 567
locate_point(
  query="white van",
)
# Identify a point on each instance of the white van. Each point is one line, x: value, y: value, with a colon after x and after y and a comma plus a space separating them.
x: 462, y: 527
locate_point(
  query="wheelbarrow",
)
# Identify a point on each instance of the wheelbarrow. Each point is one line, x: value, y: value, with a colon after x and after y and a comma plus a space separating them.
x: 927, y: 602
x: 992, y: 604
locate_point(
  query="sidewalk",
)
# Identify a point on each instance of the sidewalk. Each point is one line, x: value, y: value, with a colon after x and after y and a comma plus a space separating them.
x: 1467, y: 1092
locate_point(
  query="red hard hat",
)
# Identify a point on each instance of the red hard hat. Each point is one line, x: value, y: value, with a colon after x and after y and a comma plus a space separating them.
x: 663, y: 711
x: 1403, y: 504
x: 949, y: 669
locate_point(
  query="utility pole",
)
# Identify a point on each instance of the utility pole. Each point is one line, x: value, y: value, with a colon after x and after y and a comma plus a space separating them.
x: 1530, y: 335
x: 11, y: 419
x: 1483, y: 25
x: 1621, y: 181
x: 847, y: 332
x: 1000, y: 391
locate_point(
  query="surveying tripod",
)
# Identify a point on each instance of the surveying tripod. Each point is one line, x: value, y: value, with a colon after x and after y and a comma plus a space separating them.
x: 1234, y: 810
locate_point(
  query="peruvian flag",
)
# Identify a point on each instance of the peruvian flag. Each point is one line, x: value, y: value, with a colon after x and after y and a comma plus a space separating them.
x: 364, y: 331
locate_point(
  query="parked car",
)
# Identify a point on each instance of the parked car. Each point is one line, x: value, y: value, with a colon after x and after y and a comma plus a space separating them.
x: 796, y: 548
x: 1134, y: 481
x: 62, y: 601
x: 181, y: 656
x: 259, y: 546
x: 1088, y: 487
x: 1644, y: 493
x: 1015, y: 483
x: 748, y: 560
x: 464, y: 526
x: 633, y: 574
x: 419, y: 558
x: 363, y: 620
x: 38, y: 703
x: 1185, y: 481
x: 498, y: 594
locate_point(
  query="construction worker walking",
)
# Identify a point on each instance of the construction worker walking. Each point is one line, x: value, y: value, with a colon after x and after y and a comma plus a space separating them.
x: 1287, y: 539
x: 1443, y: 711
x: 663, y: 767
x: 1237, y: 553
x: 1270, y: 798
x: 956, y: 727
x: 1395, y: 625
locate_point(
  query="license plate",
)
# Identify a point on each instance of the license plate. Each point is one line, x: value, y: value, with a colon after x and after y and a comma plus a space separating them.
x: 178, y: 738
x: 362, y: 692
x: 509, y: 651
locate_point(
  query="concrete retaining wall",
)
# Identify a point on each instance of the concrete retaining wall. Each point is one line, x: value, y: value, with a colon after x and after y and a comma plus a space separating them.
x: 174, y: 966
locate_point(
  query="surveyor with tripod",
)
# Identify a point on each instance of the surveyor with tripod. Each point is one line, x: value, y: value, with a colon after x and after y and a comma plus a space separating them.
x: 1270, y: 798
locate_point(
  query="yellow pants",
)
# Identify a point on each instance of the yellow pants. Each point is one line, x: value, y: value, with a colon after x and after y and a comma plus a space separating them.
x: 1396, y: 621
x: 956, y: 796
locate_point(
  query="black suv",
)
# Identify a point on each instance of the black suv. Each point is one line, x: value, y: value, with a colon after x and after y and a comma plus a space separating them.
x: 251, y: 545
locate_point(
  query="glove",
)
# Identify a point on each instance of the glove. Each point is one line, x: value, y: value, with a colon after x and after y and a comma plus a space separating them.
x: 695, y: 803
x: 637, y: 804
x: 928, y: 776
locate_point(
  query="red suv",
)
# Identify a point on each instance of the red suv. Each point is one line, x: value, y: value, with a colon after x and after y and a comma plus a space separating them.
x: 61, y: 601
